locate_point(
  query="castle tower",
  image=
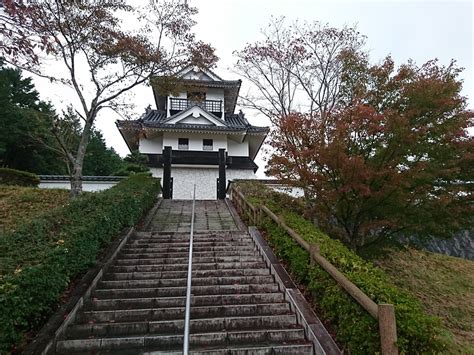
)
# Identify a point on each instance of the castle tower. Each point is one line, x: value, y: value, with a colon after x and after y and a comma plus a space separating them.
x: 196, y: 120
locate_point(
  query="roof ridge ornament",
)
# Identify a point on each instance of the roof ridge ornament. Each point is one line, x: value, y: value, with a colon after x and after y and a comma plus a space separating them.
x: 242, y: 117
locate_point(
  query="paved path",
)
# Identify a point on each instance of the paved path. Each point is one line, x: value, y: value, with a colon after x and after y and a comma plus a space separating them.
x: 175, y: 216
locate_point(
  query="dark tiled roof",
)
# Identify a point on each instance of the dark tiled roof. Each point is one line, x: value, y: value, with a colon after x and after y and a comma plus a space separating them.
x: 234, y: 123
x: 237, y: 120
x: 154, y: 116
x: 198, y: 127
x: 213, y: 83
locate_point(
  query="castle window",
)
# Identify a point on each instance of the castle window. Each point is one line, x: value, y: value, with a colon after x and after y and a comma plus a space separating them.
x: 183, y: 143
x: 207, y: 144
x: 196, y: 96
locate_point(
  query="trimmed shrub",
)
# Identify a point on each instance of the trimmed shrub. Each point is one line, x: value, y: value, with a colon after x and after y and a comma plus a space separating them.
x: 417, y: 331
x: 42, y: 256
x: 18, y: 177
x: 131, y: 169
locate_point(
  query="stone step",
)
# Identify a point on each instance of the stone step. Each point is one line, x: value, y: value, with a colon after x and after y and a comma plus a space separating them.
x: 133, y: 267
x: 196, y: 248
x: 185, y: 241
x: 143, y: 275
x: 185, y: 254
x: 141, y: 243
x: 181, y: 291
x: 185, y: 236
x: 281, y: 321
x: 138, y: 307
x: 154, y: 314
x: 198, y: 262
x: 158, y: 252
x: 180, y: 249
x: 174, y: 342
x: 295, y: 348
x: 162, y: 302
x: 159, y: 245
x: 198, y: 281
x: 200, y: 233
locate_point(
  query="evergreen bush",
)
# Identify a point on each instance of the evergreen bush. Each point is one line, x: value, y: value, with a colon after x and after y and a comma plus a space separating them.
x: 18, y: 177
x: 355, y: 328
x: 42, y: 256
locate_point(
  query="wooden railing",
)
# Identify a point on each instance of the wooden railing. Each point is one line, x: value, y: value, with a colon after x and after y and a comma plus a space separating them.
x: 384, y: 313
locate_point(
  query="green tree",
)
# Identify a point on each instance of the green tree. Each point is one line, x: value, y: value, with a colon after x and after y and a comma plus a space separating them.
x: 134, y: 162
x: 26, y: 142
x: 99, y: 159
x: 26, y: 138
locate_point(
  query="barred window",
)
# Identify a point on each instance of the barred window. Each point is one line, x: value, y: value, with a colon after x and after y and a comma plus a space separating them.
x: 207, y: 144
x: 183, y: 143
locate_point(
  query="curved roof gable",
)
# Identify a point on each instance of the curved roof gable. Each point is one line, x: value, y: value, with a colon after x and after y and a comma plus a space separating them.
x: 195, y: 73
x: 195, y: 115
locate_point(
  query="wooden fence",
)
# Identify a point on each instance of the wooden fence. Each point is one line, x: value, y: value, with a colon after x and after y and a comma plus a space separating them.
x: 384, y: 313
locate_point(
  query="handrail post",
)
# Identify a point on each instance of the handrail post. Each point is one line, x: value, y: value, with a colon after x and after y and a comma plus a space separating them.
x: 388, y: 329
x: 188, y: 287
x: 384, y: 313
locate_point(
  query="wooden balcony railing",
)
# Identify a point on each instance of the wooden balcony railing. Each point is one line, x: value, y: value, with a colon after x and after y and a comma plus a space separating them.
x: 183, y: 104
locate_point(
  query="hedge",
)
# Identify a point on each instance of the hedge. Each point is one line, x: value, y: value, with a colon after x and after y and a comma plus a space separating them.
x: 355, y: 329
x: 42, y: 256
x: 18, y: 177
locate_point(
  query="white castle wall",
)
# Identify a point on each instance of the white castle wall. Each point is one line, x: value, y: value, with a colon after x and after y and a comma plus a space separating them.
x: 204, y: 178
x: 155, y: 145
x: 211, y: 94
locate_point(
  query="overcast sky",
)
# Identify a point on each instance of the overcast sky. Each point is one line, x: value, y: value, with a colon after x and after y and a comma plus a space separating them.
x: 420, y: 30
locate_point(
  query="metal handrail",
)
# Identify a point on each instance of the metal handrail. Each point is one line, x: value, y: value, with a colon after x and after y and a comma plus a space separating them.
x: 188, y: 287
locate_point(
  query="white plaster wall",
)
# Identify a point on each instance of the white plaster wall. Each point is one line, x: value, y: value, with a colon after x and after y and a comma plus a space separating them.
x: 86, y: 185
x: 292, y: 191
x: 211, y: 94
x: 195, y: 140
x: 197, y: 120
x: 204, y: 178
x: 181, y: 95
x: 238, y: 149
x: 151, y: 146
x: 215, y: 94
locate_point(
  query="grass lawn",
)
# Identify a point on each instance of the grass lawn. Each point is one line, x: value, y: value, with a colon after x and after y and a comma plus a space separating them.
x: 444, y: 285
x: 18, y: 204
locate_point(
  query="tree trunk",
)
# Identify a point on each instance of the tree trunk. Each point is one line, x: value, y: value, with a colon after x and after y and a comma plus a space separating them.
x: 76, y: 181
x: 76, y: 178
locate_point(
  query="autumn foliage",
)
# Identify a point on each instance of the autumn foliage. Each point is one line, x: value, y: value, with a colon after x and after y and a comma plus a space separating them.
x: 95, y: 51
x: 393, y: 157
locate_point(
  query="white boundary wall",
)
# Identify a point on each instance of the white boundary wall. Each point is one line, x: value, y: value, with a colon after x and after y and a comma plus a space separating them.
x: 86, y: 185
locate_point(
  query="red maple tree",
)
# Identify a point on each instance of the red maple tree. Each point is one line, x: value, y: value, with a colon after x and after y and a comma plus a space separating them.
x: 394, y: 157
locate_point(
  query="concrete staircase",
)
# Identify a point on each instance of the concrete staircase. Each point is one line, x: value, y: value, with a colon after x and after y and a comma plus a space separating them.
x: 139, y: 305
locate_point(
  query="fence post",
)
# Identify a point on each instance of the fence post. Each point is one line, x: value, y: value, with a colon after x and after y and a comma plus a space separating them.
x: 388, y: 329
x: 313, y: 249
